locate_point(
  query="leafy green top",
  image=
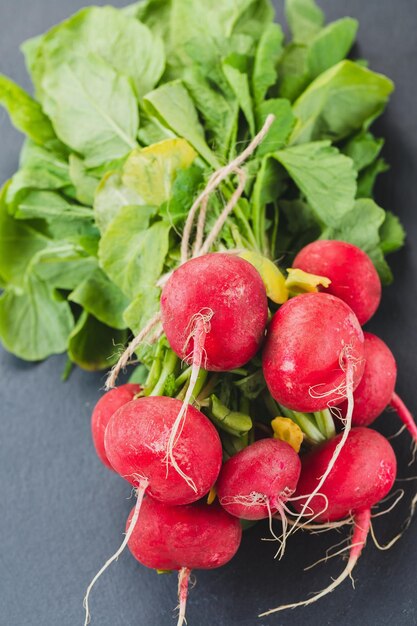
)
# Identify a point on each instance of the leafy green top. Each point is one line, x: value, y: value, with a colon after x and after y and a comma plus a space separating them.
x: 133, y: 110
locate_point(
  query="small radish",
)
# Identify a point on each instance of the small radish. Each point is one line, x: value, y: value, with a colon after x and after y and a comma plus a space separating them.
x: 363, y: 475
x: 312, y: 343
x: 353, y: 276
x: 255, y: 483
x: 104, y: 409
x: 183, y: 538
x: 376, y: 390
x: 135, y: 444
x: 214, y: 311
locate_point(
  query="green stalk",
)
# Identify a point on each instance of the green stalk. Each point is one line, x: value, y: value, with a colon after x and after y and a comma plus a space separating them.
x: 155, y: 371
x: 325, y: 423
x: 183, y: 377
x: 169, y: 364
x: 201, y: 379
x: 306, y: 423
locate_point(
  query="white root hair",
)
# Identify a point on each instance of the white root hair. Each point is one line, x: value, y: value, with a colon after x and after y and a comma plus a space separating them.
x: 199, y: 327
x: 347, y: 364
x: 140, y: 492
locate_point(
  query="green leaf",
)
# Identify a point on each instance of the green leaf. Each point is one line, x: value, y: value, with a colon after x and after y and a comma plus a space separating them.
x: 19, y: 242
x: 339, y: 102
x: 150, y: 172
x: 131, y: 252
x: 331, y: 45
x: 34, y: 321
x: 172, y: 105
x: 293, y: 75
x: 360, y: 226
x: 367, y: 178
x: 120, y: 41
x: 391, y: 233
x: 39, y: 169
x: 93, y: 109
x: 25, y: 113
x: 268, y: 53
x: 111, y: 196
x: 62, y: 265
x: 142, y: 308
x: 183, y: 193
x: 281, y: 128
x: 102, y: 298
x: 84, y: 181
x: 49, y: 204
x: 324, y: 175
x: 305, y: 19
x: 94, y: 346
x: 218, y: 110
x: 235, y: 69
x: 363, y: 149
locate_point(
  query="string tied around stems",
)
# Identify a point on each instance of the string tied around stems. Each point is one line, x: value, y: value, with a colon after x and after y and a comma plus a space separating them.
x: 201, y: 246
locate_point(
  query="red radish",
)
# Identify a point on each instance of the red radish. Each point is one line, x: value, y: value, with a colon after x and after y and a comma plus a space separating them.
x: 362, y: 475
x: 376, y: 389
x: 183, y: 538
x: 197, y: 536
x: 215, y: 304
x: 257, y: 480
x: 214, y: 311
x: 353, y: 276
x: 136, y: 442
x: 104, y: 409
x: 255, y: 483
x: 312, y: 342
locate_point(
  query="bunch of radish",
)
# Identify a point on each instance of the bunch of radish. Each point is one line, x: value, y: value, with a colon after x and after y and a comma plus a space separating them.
x: 237, y: 417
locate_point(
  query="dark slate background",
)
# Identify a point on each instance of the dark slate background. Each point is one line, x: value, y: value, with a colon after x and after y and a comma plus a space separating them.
x: 62, y: 513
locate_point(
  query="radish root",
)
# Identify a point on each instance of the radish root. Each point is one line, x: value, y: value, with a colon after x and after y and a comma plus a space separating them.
x: 183, y: 580
x: 200, y: 326
x: 348, y: 364
x: 140, y: 492
x: 404, y: 414
x: 362, y: 522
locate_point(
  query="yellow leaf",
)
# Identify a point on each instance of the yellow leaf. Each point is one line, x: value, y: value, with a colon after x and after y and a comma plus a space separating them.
x: 272, y: 278
x: 151, y: 171
x: 287, y: 430
x: 299, y: 281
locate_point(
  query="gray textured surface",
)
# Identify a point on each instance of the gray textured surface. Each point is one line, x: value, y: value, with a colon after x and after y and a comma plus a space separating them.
x: 62, y: 513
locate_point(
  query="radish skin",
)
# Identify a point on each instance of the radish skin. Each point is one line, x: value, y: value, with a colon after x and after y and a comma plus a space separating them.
x: 376, y: 389
x: 231, y: 291
x: 310, y: 341
x: 353, y: 276
x: 362, y: 475
x: 136, y: 442
x: 102, y: 412
x: 195, y: 536
x: 267, y: 471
